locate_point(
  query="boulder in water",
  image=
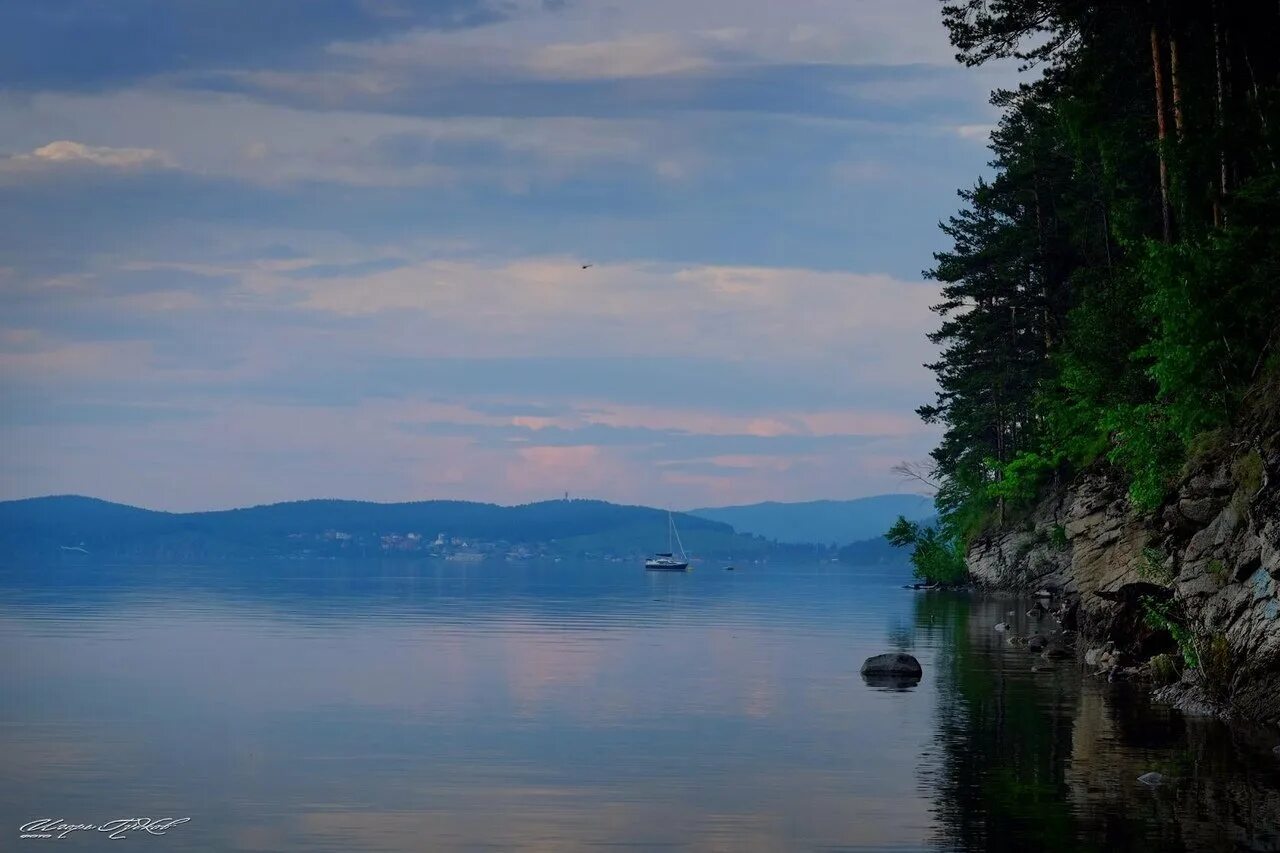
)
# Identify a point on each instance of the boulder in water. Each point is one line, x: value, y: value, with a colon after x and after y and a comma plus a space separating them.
x: 1152, y: 779
x: 892, y: 671
x: 1037, y: 643
x: 892, y: 663
x: 1001, y: 626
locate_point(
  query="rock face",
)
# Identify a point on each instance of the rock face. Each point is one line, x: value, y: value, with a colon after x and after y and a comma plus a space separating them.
x: 1210, y: 556
x: 897, y: 664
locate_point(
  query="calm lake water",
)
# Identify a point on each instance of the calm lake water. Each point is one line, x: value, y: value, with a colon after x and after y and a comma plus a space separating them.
x: 437, y: 706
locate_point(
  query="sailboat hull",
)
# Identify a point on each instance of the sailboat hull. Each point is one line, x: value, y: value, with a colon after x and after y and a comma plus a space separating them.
x: 664, y: 566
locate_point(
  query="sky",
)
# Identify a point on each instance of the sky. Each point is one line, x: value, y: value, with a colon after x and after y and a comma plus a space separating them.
x: 282, y: 249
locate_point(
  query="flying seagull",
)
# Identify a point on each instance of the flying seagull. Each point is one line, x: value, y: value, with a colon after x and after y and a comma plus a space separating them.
x: 587, y: 266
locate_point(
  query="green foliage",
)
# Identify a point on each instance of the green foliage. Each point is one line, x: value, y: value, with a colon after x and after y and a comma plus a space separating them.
x: 935, y: 556
x: 1072, y: 327
x: 1217, y: 665
x: 1218, y: 571
x: 1165, y: 669
x: 1247, y: 473
x: 1058, y: 537
x: 1018, y: 482
x: 1164, y: 616
x: 1153, y: 566
x: 1147, y: 448
x: 903, y: 532
x: 1206, y: 444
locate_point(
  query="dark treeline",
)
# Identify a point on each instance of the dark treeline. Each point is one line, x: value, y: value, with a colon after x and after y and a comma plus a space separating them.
x: 1111, y: 290
x: 43, y: 525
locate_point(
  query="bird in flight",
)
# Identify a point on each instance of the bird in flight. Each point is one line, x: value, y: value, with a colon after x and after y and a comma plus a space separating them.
x: 587, y: 266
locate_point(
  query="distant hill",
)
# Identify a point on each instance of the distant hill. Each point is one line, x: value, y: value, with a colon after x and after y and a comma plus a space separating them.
x: 874, y: 552
x: 69, y: 524
x: 822, y: 522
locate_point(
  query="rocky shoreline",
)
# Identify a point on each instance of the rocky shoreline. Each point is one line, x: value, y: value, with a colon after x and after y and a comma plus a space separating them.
x: 1185, y: 597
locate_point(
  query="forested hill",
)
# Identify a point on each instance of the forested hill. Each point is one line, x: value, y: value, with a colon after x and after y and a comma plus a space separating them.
x: 46, y: 525
x: 1111, y: 293
x: 827, y: 522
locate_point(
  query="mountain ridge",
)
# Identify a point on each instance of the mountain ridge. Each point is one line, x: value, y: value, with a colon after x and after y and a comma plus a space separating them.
x: 47, y: 525
x: 824, y: 522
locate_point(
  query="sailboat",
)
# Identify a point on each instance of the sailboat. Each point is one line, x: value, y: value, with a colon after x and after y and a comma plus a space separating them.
x: 666, y: 561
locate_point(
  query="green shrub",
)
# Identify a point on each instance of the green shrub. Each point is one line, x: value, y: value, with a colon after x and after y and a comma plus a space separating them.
x: 1018, y: 481
x: 1217, y: 666
x: 1206, y: 443
x: 936, y: 556
x: 1153, y: 567
x: 1247, y: 473
x: 1164, y: 616
x: 1165, y: 669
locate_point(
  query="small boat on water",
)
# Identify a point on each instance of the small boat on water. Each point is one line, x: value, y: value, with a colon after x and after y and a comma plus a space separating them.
x: 667, y: 561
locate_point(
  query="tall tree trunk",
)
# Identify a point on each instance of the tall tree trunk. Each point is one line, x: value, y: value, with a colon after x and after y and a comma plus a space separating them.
x: 1178, y: 126
x: 1255, y: 99
x: 1157, y: 67
x: 1179, y: 176
x: 1220, y: 119
x: 1043, y: 259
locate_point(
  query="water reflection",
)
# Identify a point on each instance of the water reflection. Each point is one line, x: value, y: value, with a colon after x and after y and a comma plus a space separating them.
x: 1050, y: 759
x: 427, y: 706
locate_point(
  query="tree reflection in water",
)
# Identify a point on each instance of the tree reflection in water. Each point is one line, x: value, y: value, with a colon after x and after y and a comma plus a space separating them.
x: 1050, y: 760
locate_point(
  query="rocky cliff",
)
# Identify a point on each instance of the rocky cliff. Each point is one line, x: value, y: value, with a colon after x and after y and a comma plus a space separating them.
x: 1195, y: 580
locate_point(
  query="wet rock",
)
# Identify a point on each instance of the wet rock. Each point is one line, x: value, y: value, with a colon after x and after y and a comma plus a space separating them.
x: 1058, y: 652
x: 1153, y: 779
x: 1037, y: 612
x: 1037, y: 643
x: 1044, y: 593
x: 1017, y: 640
x: 1001, y: 626
x: 892, y: 663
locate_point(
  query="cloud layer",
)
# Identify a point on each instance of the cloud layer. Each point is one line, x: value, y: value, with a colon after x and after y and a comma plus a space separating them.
x: 246, y: 257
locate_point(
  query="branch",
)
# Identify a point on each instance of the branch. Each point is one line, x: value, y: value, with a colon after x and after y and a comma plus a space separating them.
x: 919, y: 472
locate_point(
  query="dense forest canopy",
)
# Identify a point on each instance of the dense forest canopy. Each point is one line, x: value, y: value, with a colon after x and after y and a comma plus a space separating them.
x: 1110, y: 295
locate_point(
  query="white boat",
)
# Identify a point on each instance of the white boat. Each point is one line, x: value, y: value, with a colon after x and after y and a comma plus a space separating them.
x: 667, y: 561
